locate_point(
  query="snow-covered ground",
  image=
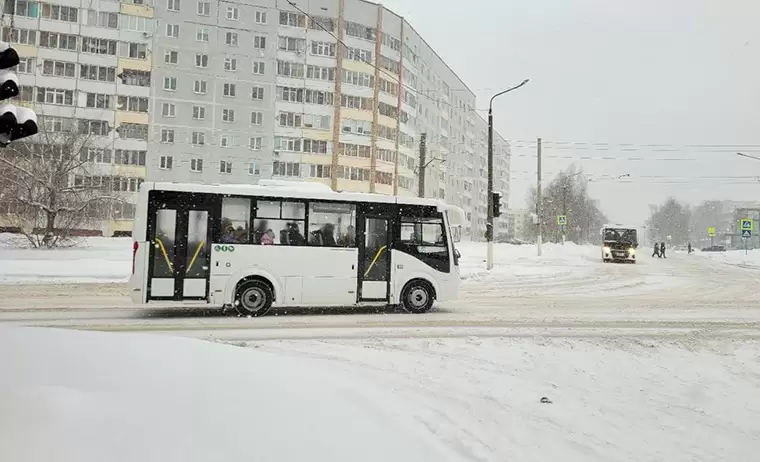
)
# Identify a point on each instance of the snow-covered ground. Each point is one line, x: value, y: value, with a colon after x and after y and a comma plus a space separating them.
x: 749, y: 260
x: 93, y: 260
x: 84, y: 396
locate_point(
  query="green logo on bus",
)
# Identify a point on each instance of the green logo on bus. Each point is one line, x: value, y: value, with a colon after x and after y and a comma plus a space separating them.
x: 224, y: 248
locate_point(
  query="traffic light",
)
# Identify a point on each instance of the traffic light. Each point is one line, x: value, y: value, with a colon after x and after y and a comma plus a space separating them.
x: 15, y: 122
x: 496, y: 204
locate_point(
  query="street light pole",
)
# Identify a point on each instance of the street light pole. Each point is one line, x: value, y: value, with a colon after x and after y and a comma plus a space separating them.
x: 489, y: 219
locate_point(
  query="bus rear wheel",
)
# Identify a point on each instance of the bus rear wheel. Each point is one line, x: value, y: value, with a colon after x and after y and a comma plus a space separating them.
x: 254, y: 298
x: 417, y: 297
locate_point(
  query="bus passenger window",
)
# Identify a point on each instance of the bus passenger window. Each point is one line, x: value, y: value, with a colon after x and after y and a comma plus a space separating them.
x: 332, y: 224
x: 236, y: 216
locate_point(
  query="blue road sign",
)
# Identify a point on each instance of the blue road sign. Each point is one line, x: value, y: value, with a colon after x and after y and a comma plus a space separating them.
x: 746, y: 224
x: 746, y: 233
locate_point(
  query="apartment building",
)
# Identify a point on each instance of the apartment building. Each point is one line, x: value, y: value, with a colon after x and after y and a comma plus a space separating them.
x: 85, y: 66
x: 332, y: 91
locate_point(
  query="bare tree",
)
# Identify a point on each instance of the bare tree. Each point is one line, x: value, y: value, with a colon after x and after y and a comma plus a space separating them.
x: 51, y: 188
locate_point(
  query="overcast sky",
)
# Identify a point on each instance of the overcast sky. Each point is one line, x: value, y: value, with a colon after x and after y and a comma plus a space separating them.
x: 682, y: 73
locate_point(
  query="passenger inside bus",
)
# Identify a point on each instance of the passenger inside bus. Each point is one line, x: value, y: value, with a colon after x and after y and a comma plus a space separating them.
x: 348, y: 239
x: 267, y: 238
x: 325, y: 236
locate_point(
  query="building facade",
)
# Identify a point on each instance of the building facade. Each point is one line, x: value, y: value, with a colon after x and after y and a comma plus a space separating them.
x: 334, y: 91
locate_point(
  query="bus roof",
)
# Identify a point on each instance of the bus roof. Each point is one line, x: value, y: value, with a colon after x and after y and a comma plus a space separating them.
x: 295, y: 190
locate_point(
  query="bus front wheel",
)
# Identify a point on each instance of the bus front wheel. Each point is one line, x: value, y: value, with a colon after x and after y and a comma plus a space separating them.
x: 417, y: 297
x: 254, y: 298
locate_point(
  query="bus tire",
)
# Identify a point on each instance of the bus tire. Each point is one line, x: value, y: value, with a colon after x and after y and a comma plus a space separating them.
x: 418, y: 296
x: 254, y: 298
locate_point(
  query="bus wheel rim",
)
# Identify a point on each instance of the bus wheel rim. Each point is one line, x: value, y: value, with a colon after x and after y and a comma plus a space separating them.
x: 253, y: 299
x: 418, y: 297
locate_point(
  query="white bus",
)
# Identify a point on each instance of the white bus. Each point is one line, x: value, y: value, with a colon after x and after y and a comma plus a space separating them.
x: 290, y: 244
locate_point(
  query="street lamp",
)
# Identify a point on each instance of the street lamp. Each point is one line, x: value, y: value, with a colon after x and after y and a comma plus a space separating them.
x: 489, y: 222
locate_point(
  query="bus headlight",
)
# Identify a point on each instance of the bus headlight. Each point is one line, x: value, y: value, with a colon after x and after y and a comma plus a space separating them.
x: 607, y: 249
x: 632, y: 251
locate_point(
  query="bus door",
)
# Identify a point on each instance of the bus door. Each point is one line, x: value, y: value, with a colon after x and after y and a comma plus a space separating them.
x: 180, y: 231
x: 374, y: 232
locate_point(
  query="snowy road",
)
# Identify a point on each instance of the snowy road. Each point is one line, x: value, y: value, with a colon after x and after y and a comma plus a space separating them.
x: 681, y: 296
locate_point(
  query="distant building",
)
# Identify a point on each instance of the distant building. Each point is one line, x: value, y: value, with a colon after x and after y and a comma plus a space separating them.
x: 518, y: 222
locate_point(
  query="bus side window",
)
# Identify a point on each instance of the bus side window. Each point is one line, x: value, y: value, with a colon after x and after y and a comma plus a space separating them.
x: 332, y: 224
x: 236, y: 216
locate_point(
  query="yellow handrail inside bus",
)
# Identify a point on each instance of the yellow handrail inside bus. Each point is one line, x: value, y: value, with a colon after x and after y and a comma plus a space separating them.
x: 195, y: 255
x: 163, y: 251
x: 374, y: 260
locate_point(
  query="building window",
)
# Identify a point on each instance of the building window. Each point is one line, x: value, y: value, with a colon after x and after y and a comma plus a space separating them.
x: 129, y: 157
x: 228, y: 115
x: 171, y: 57
x: 254, y: 167
x: 57, y: 96
x: 320, y: 73
x: 289, y: 69
x: 204, y: 8
x: 201, y: 34
x: 297, y: 45
x: 170, y: 83
x: 51, y: 39
x: 86, y: 72
x: 358, y: 127
x: 60, y: 69
x: 291, y: 169
x: 29, y: 37
x: 172, y: 5
x: 133, y: 131
x: 230, y: 64
x: 323, y: 49
x: 259, y: 42
x: 99, y: 46
x: 290, y: 119
x: 231, y: 39
x: 320, y: 122
x: 201, y: 60
x: 322, y: 23
x: 165, y: 162
x: 257, y: 93
x: 316, y: 146
x: 59, y: 12
x: 134, y: 50
x: 282, y: 143
x: 99, y: 101
x: 135, y: 77
x: 258, y: 67
x: 167, y: 135
x: 198, y: 139
x: 292, y: 19
x: 319, y: 171
x: 226, y: 141
x: 261, y: 17
x: 168, y: 109
x: 26, y: 66
x: 255, y: 143
x: 233, y: 13
x: 196, y: 165
x: 229, y: 89
x: 199, y: 112
x: 133, y: 103
x: 225, y: 167
x: 103, y: 19
x: 28, y: 9
x: 172, y: 30
x: 200, y: 87
x: 257, y: 118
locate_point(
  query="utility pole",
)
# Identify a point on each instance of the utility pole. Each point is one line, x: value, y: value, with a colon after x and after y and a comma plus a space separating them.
x: 489, y: 216
x: 423, y: 159
x: 538, y: 198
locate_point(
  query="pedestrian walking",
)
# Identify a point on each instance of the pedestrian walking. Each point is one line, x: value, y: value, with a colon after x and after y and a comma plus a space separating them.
x: 662, y: 250
x: 656, y: 250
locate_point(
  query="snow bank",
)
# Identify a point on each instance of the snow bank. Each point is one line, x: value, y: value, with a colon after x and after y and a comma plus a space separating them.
x: 522, y: 261
x: 86, y: 396
x: 614, y: 400
x: 96, y: 259
x: 734, y: 258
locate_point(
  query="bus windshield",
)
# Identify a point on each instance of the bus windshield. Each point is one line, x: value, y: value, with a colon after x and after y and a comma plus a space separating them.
x: 623, y: 235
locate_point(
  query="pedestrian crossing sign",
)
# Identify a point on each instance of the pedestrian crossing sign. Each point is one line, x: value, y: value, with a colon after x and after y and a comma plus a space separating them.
x: 561, y: 220
x: 746, y: 233
x: 746, y: 224
x: 711, y: 231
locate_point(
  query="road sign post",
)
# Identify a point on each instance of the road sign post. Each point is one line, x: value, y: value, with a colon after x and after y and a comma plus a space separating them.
x: 711, y: 234
x: 746, y: 234
x: 562, y: 222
